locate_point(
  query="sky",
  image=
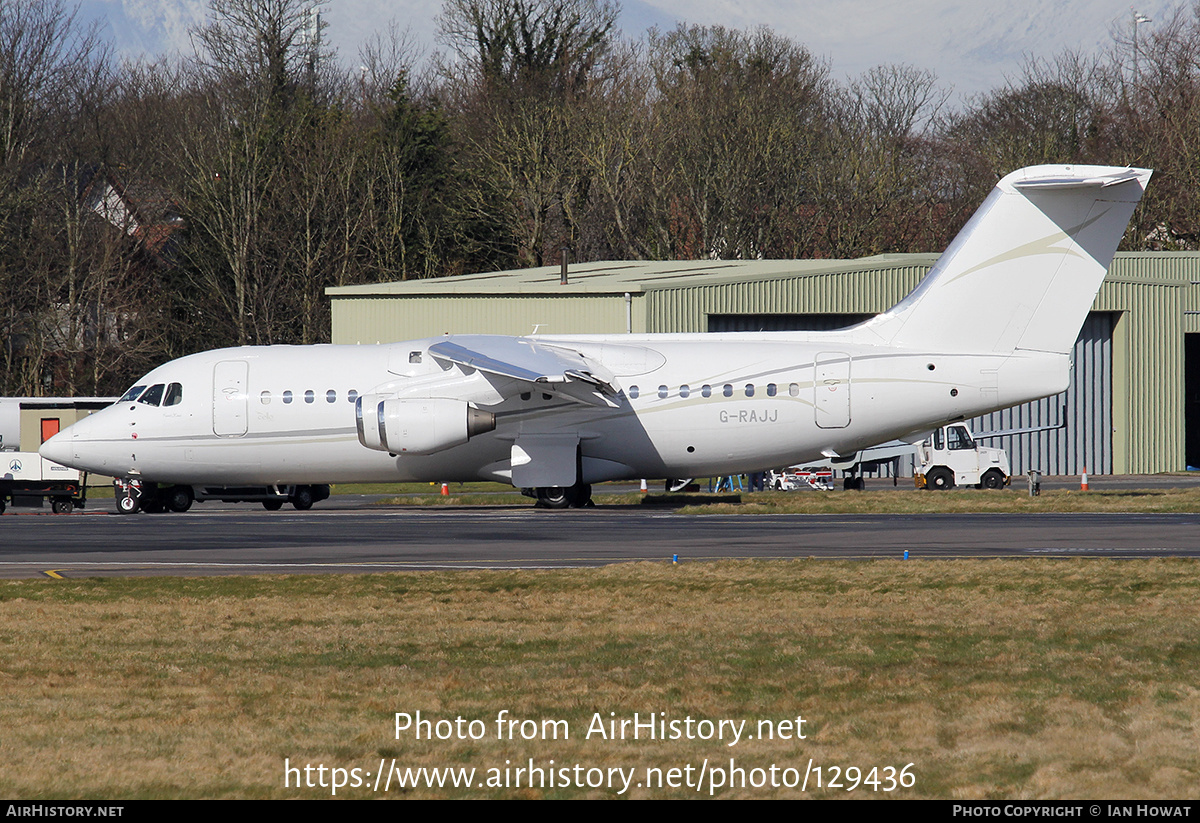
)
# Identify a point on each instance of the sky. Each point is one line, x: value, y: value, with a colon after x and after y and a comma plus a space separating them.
x: 972, y: 47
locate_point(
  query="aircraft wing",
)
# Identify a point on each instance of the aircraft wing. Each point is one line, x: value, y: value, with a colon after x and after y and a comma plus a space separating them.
x: 551, y: 369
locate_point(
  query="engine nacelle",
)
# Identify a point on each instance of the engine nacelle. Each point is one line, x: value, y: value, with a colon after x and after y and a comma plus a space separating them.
x: 418, y: 426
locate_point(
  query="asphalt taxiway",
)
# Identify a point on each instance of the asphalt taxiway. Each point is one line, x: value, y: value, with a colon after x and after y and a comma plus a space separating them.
x: 352, y: 534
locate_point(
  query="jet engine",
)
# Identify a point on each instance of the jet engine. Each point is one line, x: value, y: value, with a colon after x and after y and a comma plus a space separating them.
x: 418, y: 426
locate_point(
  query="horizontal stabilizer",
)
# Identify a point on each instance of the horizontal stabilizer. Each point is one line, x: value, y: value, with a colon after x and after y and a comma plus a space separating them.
x: 1110, y: 177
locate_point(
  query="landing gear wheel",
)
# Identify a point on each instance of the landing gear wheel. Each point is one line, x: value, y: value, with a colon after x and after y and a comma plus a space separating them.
x: 2, y: 505
x: 992, y: 479
x: 179, y: 498
x: 580, y: 496
x: 854, y: 484
x: 675, y: 485
x: 272, y: 505
x: 940, y: 479
x: 60, y: 506
x: 553, y: 497
x: 128, y: 495
x: 302, y: 499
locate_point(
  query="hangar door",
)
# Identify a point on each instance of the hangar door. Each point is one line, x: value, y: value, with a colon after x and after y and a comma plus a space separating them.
x: 783, y: 322
x: 1086, y: 438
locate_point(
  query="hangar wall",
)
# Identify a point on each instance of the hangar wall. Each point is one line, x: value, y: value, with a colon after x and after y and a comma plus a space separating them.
x: 376, y: 319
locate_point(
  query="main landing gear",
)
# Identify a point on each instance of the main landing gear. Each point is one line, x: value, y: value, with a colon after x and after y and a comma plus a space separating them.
x: 578, y: 496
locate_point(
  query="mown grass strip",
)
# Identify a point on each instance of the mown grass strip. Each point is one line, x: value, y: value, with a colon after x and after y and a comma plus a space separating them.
x: 1032, y: 678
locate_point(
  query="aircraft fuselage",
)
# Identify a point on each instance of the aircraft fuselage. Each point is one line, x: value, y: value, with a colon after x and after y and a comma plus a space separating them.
x: 689, y: 405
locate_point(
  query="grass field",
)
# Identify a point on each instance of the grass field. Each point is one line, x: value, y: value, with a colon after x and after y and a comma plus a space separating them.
x: 1166, y: 500
x: 992, y: 678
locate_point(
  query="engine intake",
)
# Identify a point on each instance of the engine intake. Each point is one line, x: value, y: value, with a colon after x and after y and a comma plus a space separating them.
x: 418, y: 426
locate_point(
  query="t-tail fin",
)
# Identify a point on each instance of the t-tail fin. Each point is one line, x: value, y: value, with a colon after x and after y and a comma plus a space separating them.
x: 1024, y: 271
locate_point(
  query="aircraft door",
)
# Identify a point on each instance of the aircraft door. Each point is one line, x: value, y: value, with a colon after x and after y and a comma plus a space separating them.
x: 831, y: 390
x: 230, y: 397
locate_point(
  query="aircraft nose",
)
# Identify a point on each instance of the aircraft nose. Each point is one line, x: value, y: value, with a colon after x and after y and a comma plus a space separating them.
x: 58, y: 448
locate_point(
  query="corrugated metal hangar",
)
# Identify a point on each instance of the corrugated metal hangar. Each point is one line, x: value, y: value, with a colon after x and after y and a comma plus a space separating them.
x: 1133, y: 405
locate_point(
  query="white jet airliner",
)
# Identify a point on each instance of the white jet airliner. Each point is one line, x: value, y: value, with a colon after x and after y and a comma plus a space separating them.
x: 992, y: 325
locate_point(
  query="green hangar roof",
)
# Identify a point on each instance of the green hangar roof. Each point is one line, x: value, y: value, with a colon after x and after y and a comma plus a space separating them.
x: 617, y: 297
x: 618, y: 277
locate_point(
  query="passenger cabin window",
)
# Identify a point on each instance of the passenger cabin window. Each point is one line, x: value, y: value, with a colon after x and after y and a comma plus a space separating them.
x: 633, y: 392
x: 153, y: 395
x: 265, y: 397
x: 352, y: 395
x: 771, y: 390
x: 132, y: 394
x: 684, y: 390
x: 287, y: 397
x: 727, y: 390
x: 706, y: 390
x: 662, y: 392
x: 331, y: 396
x: 174, y: 395
x: 309, y: 396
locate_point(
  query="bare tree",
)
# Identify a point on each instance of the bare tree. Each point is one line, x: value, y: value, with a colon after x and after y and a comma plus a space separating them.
x: 1050, y: 114
x: 530, y: 43
x: 899, y: 101
x: 736, y: 117
x: 266, y: 48
x: 530, y: 75
x: 1154, y: 121
x: 44, y: 56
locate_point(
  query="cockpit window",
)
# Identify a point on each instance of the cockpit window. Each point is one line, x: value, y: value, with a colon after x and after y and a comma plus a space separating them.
x: 132, y: 394
x: 153, y: 395
x: 174, y: 395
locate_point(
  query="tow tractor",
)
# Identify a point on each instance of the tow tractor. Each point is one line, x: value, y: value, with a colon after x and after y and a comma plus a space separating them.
x: 26, y: 479
x: 950, y: 457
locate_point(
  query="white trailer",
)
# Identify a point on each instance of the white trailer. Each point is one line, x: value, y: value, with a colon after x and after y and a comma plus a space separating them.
x: 27, y: 478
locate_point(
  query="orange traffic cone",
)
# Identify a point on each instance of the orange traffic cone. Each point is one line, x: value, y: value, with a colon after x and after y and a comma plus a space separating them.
x: 1083, y: 480
x: 445, y: 490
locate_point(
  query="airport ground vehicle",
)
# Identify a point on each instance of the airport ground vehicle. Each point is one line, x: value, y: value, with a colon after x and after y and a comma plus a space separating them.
x: 27, y: 479
x: 796, y: 477
x: 950, y: 457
